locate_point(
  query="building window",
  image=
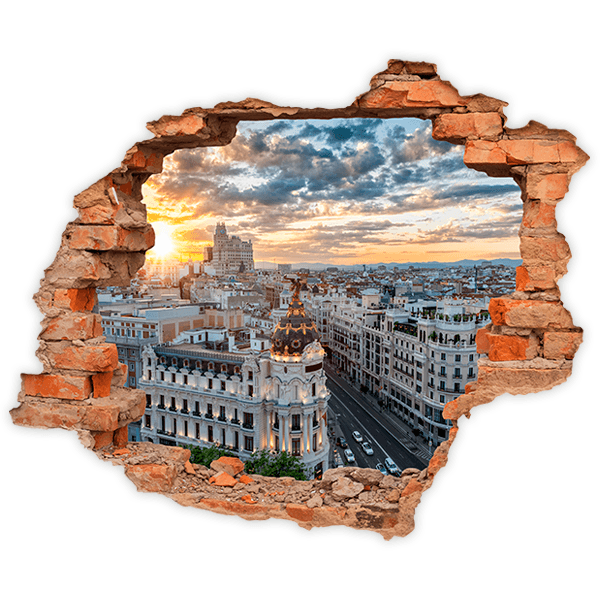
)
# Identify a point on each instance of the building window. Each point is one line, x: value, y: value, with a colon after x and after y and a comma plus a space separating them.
x: 148, y: 400
x: 210, y: 433
x: 223, y: 386
x: 250, y: 390
x: 174, y: 425
x: 314, y: 442
x: 457, y: 358
x: 443, y: 356
x: 296, y: 447
x: 276, y: 443
x: 222, y: 413
x: 442, y: 399
x: 173, y: 406
x: 209, y: 410
x: 236, y: 440
x: 185, y: 380
x: 185, y: 428
x: 197, y: 431
x: 210, y: 383
x: 248, y: 443
x: 314, y: 389
x: 149, y: 378
x: 295, y: 422
x: 162, y: 375
x: 471, y: 357
x: 248, y: 420
x: 148, y: 421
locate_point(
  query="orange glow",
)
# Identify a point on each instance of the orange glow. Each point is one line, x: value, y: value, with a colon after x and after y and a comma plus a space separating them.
x: 164, y: 246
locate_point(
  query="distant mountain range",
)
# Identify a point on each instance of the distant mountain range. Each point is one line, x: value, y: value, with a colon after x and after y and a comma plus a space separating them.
x: 508, y: 262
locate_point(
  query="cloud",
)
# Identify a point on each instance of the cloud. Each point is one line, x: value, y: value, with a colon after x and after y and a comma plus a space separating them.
x: 275, y: 177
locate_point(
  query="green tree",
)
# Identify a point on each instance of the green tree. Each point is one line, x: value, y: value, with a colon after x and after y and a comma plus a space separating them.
x: 204, y: 456
x: 276, y: 464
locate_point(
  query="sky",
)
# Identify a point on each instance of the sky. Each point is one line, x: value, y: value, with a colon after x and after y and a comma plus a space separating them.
x: 339, y: 191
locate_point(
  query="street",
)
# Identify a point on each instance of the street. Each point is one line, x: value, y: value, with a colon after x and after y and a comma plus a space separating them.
x: 350, y: 411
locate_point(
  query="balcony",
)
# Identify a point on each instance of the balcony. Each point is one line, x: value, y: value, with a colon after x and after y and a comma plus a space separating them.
x: 296, y: 428
x: 222, y: 419
x: 161, y: 407
x: 184, y: 411
x: 173, y: 408
x: 209, y: 416
x: 457, y: 376
x: 196, y: 413
x: 235, y: 421
x: 248, y: 426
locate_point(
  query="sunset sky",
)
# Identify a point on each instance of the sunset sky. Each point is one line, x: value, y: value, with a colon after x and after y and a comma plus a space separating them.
x: 343, y: 191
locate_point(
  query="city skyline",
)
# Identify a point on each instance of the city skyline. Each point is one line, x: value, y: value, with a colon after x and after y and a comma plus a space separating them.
x: 349, y: 191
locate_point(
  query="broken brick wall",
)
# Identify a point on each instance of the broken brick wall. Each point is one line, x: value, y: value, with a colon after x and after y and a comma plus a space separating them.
x: 529, y: 345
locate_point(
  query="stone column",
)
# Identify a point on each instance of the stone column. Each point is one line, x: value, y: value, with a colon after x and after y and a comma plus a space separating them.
x: 305, y: 436
x: 287, y: 434
x: 282, y: 438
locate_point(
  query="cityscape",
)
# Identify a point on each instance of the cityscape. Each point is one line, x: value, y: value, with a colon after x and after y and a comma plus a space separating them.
x: 315, y: 289
x: 334, y: 366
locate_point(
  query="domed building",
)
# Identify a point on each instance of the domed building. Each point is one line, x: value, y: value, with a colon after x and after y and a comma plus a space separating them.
x: 245, y: 401
x: 298, y: 391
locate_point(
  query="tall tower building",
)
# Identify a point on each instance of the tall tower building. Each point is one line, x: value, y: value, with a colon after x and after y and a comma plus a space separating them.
x: 230, y: 255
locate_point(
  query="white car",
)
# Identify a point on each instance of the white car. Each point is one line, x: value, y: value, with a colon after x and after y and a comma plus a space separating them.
x: 356, y: 435
x: 349, y: 455
x: 391, y: 466
x: 367, y: 448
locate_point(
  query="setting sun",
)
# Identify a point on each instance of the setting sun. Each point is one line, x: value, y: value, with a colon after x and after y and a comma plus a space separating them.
x: 163, y: 245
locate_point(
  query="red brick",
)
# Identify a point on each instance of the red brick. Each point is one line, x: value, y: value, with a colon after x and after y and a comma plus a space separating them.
x: 544, y: 249
x: 152, y: 478
x: 300, y: 512
x: 553, y: 186
x: 223, y: 479
x: 101, y: 384
x: 76, y: 300
x: 518, y: 152
x: 400, y: 94
x: 511, y: 347
x: 248, y: 499
x: 66, y: 387
x: 460, y: 127
x: 535, y: 278
x: 246, y: 479
x: 185, y: 125
x: 533, y: 314
x: 66, y: 416
x: 140, y: 160
x: 539, y: 214
x: 73, y: 327
x: 94, y: 237
x: 98, y: 358
x: 413, y: 487
x: 561, y: 344
x: 135, y: 240
x: 482, y: 340
x: 102, y: 439
x: 98, y: 215
x: 120, y: 438
x: 235, y: 464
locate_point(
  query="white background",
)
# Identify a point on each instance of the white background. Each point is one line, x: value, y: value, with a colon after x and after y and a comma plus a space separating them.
x: 515, y: 514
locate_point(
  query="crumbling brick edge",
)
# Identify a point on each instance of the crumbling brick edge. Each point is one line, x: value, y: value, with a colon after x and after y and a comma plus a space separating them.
x: 530, y: 343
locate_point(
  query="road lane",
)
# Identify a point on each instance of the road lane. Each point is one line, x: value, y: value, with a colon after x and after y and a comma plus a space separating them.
x: 353, y: 416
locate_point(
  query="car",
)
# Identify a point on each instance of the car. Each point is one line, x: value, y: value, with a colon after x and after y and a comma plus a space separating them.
x: 391, y: 466
x: 342, y: 442
x: 356, y: 435
x: 367, y: 448
x: 349, y: 455
x: 381, y: 468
